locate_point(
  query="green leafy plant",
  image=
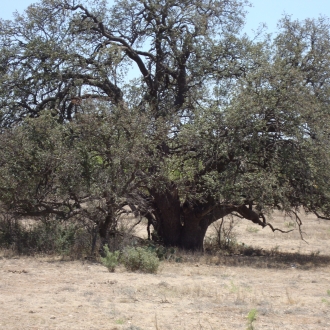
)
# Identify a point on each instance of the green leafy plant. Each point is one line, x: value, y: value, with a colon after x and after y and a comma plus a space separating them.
x: 141, y: 259
x: 111, y: 259
x: 162, y: 252
x: 251, y: 317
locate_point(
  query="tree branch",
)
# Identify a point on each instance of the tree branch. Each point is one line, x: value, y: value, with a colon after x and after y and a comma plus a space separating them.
x: 320, y: 216
x: 131, y: 53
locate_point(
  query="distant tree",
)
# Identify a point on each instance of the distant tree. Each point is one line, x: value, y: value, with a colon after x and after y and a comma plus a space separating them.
x: 220, y: 124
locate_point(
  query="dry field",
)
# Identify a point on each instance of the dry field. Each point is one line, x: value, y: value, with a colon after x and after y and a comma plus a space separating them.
x: 288, y: 285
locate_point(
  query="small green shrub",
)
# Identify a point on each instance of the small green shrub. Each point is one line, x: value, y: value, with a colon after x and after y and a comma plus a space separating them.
x: 252, y: 316
x: 140, y: 258
x: 162, y: 252
x: 111, y: 259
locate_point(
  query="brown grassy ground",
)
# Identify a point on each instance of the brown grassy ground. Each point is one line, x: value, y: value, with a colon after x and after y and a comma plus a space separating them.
x: 288, y: 282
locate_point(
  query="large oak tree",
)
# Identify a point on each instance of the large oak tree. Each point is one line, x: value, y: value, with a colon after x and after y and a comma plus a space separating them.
x: 235, y: 126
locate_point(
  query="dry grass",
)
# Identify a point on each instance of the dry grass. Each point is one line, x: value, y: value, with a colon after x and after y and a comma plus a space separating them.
x: 286, y: 280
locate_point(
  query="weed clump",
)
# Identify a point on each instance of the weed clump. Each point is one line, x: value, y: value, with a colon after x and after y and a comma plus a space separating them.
x: 140, y: 259
x: 251, y: 317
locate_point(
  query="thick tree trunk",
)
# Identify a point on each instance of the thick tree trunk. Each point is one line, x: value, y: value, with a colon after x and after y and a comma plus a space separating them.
x: 193, y: 232
x: 168, y: 214
x: 196, y: 223
x: 185, y: 226
x: 104, y: 228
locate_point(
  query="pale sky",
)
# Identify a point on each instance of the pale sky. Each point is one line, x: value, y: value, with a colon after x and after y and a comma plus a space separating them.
x: 266, y: 11
x: 270, y: 11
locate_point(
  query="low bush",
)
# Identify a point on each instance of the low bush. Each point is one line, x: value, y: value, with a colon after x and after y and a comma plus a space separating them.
x: 140, y: 259
x: 162, y: 252
x: 111, y: 259
x: 50, y: 236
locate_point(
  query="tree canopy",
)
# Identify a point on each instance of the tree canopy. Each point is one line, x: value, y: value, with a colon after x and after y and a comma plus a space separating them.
x: 216, y: 123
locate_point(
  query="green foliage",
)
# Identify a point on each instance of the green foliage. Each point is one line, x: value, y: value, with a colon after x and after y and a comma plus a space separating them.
x: 278, y: 133
x: 140, y: 259
x: 111, y: 259
x: 52, y: 168
x: 215, y: 123
x: 42, y: 37
x: 51, y: 236
x: 252, y: 316
x: 162, y: 252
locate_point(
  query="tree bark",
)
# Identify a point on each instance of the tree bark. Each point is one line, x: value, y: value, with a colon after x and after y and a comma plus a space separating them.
x: 193, y: 232
x: 186, y: 226
x: 196, y: 224
x: 168, y: 214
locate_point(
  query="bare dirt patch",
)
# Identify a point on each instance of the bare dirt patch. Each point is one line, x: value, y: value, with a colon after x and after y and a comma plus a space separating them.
x: 290, y: 288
